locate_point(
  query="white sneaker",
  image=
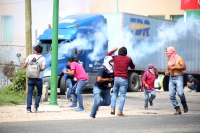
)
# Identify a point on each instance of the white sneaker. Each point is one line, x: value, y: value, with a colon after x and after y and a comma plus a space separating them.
x: 194, y: 90
x: 35, y: 110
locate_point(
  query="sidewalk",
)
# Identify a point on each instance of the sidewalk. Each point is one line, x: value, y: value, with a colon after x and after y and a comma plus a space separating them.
x: 133, y: 106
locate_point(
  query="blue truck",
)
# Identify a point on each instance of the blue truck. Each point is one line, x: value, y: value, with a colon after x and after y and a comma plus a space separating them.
x: 90, y: 36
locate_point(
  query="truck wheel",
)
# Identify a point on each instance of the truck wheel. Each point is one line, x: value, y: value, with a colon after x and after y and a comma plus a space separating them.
x: 133, y: 82
x: 63, y: 86
x: 166, y: 83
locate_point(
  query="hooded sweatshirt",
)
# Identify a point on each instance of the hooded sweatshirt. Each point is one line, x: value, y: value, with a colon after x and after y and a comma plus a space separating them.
x: 192, y: 79
x: 121, y: 63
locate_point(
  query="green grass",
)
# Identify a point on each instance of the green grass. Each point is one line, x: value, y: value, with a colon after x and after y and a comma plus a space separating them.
x: 11, y: 98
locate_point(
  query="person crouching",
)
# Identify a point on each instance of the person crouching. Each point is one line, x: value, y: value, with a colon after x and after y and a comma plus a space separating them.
x: 148, y: 79
x: 102, y: 86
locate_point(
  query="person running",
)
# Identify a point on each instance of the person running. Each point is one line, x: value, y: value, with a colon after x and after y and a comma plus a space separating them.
x: 82, y: 79
x: 121, y: 64
x: 148, y: 80
x: 175, y: 67
x: 102, y: 86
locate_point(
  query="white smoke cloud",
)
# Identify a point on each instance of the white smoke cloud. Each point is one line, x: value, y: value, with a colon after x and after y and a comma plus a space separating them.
x: 166, y: 34
x: 94, y: 41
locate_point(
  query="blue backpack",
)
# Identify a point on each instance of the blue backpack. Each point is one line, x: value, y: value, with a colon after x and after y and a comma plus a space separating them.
x: 147, y: 74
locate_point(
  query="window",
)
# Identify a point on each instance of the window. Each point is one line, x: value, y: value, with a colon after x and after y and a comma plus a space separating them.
x: 7, y: 28
x: 157, y: 16
x: 176, y: 17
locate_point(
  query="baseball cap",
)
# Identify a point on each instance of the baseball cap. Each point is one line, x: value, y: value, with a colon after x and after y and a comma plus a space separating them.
x: 150, y: 66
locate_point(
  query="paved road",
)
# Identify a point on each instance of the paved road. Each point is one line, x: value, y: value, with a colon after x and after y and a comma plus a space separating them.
x: 158, y: 119
x: 127, y: 124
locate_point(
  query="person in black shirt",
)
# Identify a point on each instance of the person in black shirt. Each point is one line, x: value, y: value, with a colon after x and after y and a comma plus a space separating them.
x: 102, y: 86
x: 192, y: 83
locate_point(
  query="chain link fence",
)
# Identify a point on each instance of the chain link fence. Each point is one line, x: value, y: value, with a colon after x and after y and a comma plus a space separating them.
x: 11, y: 58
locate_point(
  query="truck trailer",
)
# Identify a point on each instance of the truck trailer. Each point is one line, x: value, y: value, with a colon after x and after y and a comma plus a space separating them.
x: 91, y: 36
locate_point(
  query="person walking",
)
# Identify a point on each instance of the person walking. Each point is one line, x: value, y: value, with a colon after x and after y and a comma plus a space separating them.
x: 32, y: 82
x: 148, y: 80
x: 175, y: 67
x: 102, y: 86
x: 192, y: 83
x: 78, y: 71
x: 121, y: 64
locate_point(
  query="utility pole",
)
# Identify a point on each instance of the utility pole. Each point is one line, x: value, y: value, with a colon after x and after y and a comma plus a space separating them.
x: 28, y: 31
x: 54, y: 62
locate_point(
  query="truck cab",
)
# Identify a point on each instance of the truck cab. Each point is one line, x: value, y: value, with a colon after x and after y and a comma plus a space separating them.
x: 81, y: 36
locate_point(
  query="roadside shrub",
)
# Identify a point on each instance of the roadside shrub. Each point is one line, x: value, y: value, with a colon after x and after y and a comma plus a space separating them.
x: 18, y: 81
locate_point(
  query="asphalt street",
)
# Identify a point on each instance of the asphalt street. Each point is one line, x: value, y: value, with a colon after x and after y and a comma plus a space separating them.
x: 159, y: 118
x: 127, y: 124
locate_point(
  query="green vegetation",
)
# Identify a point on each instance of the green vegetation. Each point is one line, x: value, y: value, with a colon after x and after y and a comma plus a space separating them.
x: 11, y: 98
x: 15, y: 93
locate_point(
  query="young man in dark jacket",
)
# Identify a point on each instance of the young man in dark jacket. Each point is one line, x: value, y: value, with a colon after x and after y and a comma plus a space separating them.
x: 121, y: 64
x: 102, y: 86
x: 192, y: 83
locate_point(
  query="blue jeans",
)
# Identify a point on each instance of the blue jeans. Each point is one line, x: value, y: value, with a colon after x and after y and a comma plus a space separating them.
x: 32, y: 82
x: 77, y: 89
x: 120, y: 85
x: 176, y: 85
x: 69, y: 81
x: 146, y: 96
x: 98, y: 94
x: 192, y: 87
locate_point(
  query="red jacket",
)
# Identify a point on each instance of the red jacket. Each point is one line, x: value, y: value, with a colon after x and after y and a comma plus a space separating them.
x: 121, y: 65
x: 148, y: 80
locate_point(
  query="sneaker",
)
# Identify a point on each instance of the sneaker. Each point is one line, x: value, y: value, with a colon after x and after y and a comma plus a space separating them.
x: 112, y: 112
x: 69, y: 100
x: 72, y: 106
x: 194, y: 90
x: 151, y: 103
x: 120, y: 114
x: 80, y: 110
x: 35, y: 110
x: 146, y: 108
x: 185, y: 108
x: 28, y: 111
x: 92, y: 117
x: 178, y: 111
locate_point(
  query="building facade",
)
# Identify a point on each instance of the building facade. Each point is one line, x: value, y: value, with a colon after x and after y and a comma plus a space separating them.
x: 12, y: 17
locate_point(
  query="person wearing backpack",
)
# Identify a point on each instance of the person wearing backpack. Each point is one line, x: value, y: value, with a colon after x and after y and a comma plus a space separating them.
x: 102, y: 86
x: 34, y: 64
x: 148, y: 79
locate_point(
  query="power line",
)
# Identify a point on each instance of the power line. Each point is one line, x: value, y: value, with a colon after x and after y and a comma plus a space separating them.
x: 20, y: 2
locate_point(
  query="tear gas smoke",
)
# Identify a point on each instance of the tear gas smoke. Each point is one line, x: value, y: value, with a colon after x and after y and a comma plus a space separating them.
x: 166, y: 34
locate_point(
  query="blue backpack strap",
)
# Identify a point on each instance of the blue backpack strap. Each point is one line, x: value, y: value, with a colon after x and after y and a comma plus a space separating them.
x: 147, y: 74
